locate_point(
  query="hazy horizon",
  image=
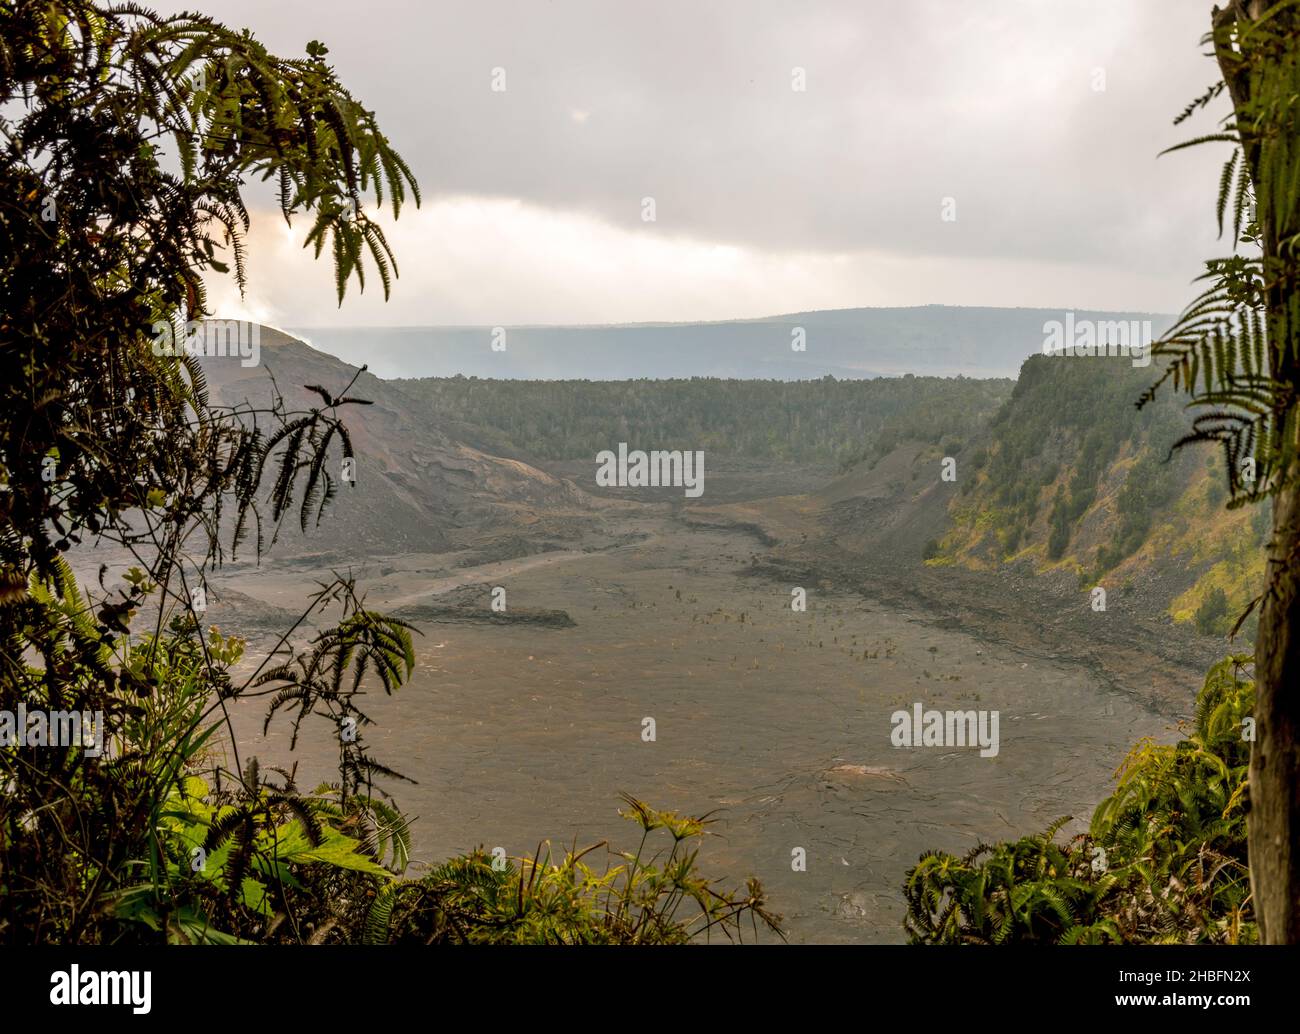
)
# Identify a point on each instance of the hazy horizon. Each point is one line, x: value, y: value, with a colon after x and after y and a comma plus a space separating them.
x: 929, y: 340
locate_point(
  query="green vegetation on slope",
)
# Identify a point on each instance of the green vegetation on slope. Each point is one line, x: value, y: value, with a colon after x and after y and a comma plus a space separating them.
x: 1064, y: 425
x: 1072, y: 473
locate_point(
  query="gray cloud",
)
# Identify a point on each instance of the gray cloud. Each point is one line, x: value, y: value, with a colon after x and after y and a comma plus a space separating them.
x: 992, y: 104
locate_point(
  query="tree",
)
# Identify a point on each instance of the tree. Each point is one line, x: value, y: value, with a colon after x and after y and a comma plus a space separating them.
x: 1213, y: 612
x: 126, y: 142
x: 1236, y: 352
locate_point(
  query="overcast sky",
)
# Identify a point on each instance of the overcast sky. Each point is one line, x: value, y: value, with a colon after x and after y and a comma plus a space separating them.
x: 1040, y: 119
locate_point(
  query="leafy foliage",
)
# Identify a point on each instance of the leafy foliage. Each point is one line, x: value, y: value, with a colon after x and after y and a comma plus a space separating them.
x: 543, y: 901
x: 1164, y: 860
x: 104, y: 239
x: 126, y: 140
x: 1235, y: 354
x: 1235, y: 349
x: 104, y: 249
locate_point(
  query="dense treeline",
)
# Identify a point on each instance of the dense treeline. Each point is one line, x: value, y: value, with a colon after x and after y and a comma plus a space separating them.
x: 821, y: 421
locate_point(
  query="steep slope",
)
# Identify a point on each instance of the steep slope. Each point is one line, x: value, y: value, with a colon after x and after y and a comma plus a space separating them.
x: 1072, y: 477
x: 416, y: 488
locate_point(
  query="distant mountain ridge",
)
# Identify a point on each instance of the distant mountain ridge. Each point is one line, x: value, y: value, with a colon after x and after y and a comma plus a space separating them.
x: 936, y: 340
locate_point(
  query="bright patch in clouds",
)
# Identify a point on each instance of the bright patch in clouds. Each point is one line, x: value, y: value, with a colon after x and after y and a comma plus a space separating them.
x: 467, y: 260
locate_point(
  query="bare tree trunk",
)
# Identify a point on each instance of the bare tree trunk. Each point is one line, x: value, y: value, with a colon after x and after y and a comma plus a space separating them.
x: 1274, y: 821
